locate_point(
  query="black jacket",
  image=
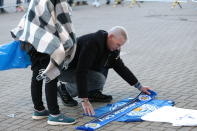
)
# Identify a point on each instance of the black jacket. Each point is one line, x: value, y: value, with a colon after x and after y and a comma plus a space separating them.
x: 92, y: 54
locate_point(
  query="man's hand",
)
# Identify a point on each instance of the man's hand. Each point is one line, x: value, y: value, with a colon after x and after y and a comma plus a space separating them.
x: 87, y: 107
x: 145, y: 89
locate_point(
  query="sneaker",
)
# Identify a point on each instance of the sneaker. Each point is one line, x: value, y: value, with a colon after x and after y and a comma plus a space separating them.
x: 97, y: 96
x: 60, y: 120
x: 37, y: 115
x: 67, y: 100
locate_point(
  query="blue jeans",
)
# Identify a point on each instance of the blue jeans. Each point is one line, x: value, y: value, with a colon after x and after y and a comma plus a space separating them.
x: 95, y: 80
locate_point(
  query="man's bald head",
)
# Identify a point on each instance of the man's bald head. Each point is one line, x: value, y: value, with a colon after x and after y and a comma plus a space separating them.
x: 117, y: 36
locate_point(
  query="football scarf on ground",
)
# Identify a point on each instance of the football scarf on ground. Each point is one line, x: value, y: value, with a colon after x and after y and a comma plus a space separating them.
x: 117, y: 112
x: 12, y: 56
x: 136, y: 114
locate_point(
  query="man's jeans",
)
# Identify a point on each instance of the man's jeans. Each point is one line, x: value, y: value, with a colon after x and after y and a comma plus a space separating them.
x: 95, y: 80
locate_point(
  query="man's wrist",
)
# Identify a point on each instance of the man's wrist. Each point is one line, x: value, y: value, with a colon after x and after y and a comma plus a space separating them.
x: 84, y: 100
x: 138, y: 85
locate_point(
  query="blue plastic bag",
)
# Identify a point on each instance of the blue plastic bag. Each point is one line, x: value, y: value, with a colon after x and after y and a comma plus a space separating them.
x: 12, y: 56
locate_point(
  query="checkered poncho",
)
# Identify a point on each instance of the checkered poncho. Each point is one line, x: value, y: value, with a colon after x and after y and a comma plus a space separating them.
x: 46, y: 25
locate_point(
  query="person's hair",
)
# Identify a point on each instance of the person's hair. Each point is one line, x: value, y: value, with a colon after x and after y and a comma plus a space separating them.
x: 119, y: 31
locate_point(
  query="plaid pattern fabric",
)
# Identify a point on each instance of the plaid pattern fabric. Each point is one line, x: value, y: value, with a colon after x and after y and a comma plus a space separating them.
x: 46, y: 25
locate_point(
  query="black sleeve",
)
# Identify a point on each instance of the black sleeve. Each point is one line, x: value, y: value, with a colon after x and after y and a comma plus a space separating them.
x: 54, y: 2
x: 124, y: 71
x: 86, y: 58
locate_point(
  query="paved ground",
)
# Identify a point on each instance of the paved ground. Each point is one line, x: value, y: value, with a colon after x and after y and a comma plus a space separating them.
x: 162, y: 52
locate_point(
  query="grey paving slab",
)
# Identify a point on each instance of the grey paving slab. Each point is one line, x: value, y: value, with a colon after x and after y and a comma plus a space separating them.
x: 162, y: 52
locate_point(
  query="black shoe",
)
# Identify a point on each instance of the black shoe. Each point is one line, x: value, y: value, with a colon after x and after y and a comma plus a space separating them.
x: 97, y: 96
x: 67, y: 100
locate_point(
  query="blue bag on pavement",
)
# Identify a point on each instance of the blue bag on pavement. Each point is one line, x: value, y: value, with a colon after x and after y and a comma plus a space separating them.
x: 12, y: 56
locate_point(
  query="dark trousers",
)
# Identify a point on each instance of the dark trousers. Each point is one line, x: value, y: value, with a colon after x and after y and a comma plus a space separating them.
x: 95, y: 80
x: 18, y: 1
x: 40, y: 61
x: 1, y: 2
